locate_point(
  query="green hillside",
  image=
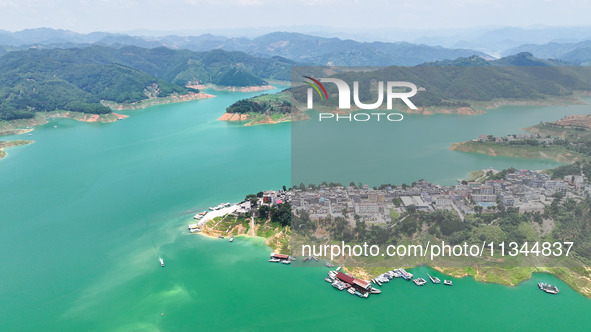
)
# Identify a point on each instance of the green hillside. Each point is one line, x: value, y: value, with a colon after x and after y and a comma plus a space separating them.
x: 78, y: 79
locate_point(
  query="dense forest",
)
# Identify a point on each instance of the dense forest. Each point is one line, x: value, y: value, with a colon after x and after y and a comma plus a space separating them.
x: 462, y: 82
x: 77, y: 79
x: 275, y: 103
x: 466, y: 81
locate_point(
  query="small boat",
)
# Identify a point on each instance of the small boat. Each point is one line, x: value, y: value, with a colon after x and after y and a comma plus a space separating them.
x: 231, y: 239
x: 315, y: 258
x: 328, y: 280
x: 379, y: 283
x: 220, y: 236
x: 365, y: 295
x: 338, y: 269
x: 54, y: 126
x: 338, y: 285
x: 274, y: 260
x: 30, y: 134
x: 420, y: 281
x: 351, y: 291
x: 194, y: 230
x: 550, y: 289
x: 374, y: 291
x: 373, y: 281
x: 286, y: 262
x: 448, y: 283
x: 161, y: 261
x: 200, y: 215
x: 404, y: 274
x: 329, y: 264
x: 434, y: 280
x: 307, y: 258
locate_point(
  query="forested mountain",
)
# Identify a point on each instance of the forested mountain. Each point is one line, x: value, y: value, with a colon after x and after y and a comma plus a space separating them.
x: 451, y: 83
x: 79, y: 78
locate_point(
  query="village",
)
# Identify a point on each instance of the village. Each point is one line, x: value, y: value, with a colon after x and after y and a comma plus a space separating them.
x: 526, y: 190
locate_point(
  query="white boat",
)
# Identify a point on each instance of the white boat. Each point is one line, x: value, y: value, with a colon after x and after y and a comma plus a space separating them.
x: 286, y: 262
x: 448, y: 282
x: 420, y: 281
x: 231, y: 239
x: 200, y: 215
x: 161, y: 261
x: 274, y: 260
x: 550, y: 289
x: 434, y: 280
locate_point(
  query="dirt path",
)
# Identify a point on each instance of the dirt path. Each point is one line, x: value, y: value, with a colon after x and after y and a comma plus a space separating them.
x: 252, y: 233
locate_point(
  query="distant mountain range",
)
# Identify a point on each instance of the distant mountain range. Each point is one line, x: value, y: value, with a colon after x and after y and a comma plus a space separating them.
x: 46, y: 69
x: 295, y: 46
x: 572, y: 53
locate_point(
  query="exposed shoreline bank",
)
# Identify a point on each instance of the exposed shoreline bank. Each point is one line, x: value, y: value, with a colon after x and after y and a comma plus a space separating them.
x: 174, y: 98
x: 9, y: 144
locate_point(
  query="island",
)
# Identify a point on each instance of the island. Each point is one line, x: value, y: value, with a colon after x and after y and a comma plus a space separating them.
x: 263, y: 109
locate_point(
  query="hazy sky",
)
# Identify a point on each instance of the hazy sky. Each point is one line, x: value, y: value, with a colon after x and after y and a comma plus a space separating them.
x: 200, y: 15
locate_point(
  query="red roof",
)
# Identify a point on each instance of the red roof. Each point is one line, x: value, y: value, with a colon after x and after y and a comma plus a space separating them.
x: 345, y: 277
x: 280, y: 256
x: 361, y: 283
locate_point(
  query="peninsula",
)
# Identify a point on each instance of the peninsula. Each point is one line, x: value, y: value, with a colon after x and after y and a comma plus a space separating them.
x: 8, y: 144
x: 564, y: 141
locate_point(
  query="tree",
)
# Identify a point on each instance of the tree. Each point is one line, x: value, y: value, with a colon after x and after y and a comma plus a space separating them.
x: 360, y: 229
x: 478, y: 209
x: 284, y: 188
x: 264, y: 211
x: 281, y: 214
x: 344, y: 212
x: 409, y: 226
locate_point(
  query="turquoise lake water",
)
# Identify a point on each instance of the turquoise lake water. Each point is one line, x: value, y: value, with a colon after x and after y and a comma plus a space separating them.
x: 87, y: 209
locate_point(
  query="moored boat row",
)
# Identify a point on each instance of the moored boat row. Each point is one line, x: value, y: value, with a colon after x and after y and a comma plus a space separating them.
x: 354, y: 286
